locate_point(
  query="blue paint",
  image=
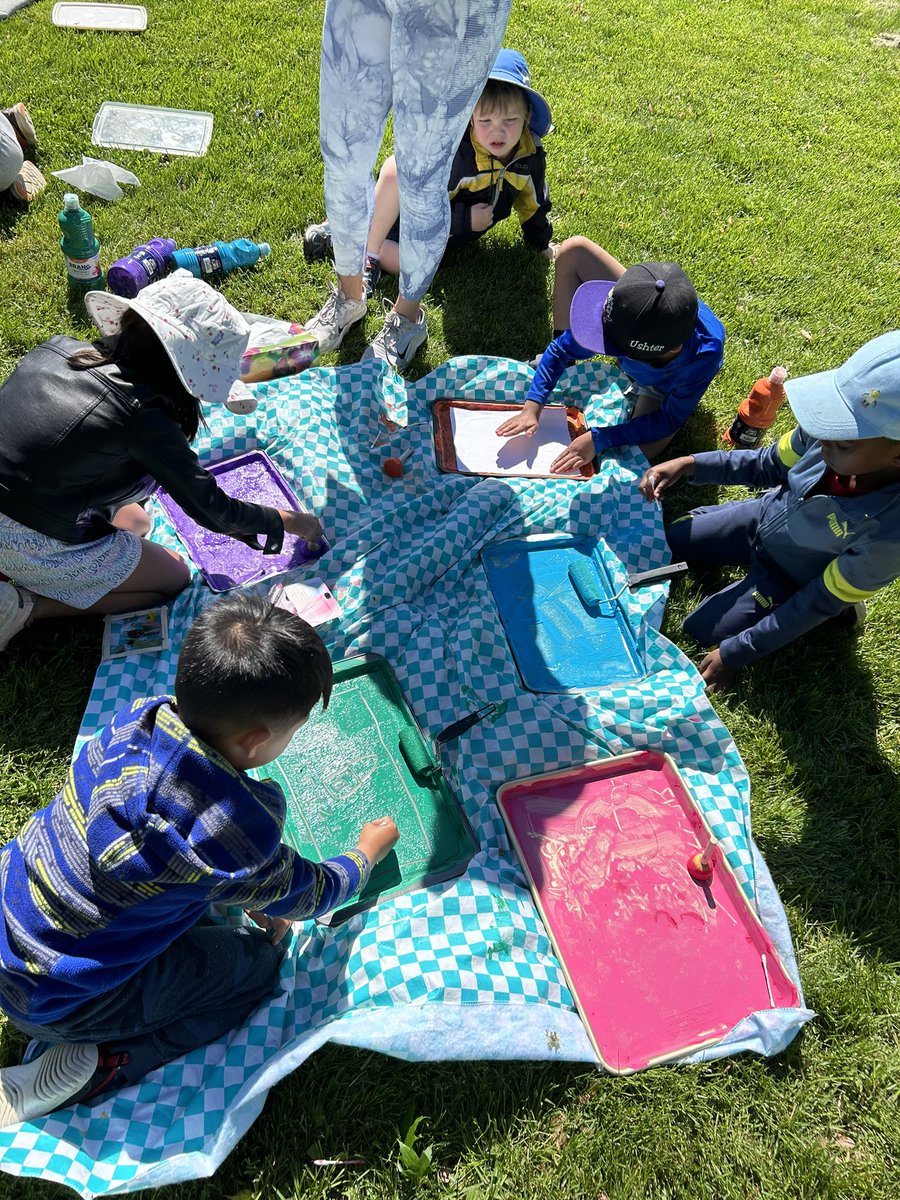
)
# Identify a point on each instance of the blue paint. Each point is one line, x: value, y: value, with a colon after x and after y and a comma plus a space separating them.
x: 560, y: 641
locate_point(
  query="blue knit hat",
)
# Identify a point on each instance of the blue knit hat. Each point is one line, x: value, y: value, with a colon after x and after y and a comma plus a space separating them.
x: 510, y: 67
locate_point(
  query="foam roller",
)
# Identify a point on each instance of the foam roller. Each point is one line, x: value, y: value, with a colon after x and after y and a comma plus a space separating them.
x: 586, y: 582
x: 416, y: 753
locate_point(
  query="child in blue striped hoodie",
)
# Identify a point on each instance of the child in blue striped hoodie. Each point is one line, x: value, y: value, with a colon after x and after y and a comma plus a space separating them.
x: 106, y: 949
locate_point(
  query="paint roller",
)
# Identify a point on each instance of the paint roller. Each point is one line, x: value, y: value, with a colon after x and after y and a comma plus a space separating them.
x: 588, y: 584
x: 417, y: 755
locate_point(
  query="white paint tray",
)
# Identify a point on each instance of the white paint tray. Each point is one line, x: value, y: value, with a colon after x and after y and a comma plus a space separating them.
x: 144, y: 127
x: 126, y: 18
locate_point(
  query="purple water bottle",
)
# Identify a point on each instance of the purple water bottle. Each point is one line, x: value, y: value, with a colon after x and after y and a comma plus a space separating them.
x: 143, y: 265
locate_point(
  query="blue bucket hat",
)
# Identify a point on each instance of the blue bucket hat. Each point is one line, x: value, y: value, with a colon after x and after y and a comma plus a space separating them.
x: 510, y: 67
x: 859, y: 400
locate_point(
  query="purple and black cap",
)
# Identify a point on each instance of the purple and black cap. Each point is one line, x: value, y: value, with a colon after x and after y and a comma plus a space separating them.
x: 650, y: 310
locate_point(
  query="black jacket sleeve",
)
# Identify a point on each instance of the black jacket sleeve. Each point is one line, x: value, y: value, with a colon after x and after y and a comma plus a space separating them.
x: 155, y: 440
x: 537, y: 229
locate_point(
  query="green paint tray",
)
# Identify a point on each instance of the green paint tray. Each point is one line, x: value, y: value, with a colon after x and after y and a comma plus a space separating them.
x: 362, y: 758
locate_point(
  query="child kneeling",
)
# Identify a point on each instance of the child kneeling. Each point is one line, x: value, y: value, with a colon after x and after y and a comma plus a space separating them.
x: 823, y: 539
x: 106, y: 950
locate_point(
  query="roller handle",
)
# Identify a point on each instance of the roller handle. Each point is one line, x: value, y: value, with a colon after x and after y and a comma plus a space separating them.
x: 657, y: 575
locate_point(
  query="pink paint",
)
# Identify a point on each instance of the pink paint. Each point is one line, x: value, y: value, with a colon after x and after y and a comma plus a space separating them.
x: 659, y: 964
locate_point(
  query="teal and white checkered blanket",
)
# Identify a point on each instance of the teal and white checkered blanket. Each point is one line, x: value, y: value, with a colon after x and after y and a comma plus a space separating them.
x: 463, y: 969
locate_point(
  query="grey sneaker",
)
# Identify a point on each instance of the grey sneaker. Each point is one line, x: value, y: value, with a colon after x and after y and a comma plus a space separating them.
x: 399, y: 340
x: 16, y: 606
x: 317, y: 242
x: 46, y: 1083
x: 335, y: 319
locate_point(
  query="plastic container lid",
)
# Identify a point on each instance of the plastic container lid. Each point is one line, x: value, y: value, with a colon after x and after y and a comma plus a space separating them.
x: 127, y: 18
x: 144, y: 127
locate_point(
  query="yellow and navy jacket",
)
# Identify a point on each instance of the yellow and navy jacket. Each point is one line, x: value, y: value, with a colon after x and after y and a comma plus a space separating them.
x: 151, y: 827
x: 520, y: 185
x: 837, y: 549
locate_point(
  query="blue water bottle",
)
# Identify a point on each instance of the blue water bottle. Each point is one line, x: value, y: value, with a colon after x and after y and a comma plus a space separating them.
x: 221, y: 257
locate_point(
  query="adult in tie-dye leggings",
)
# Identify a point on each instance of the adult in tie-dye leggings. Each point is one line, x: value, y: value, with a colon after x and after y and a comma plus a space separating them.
x: 429, y: 59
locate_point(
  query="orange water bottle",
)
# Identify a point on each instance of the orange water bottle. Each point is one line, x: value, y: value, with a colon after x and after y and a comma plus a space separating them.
x: 758, y: 411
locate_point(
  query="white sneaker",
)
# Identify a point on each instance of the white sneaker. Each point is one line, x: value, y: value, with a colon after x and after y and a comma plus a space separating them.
x: 399, y: 340
x: 37, y: 1088
x: 335, y: 319
x: 16, y: 606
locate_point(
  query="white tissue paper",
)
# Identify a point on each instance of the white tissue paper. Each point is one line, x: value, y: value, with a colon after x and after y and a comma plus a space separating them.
x: 99, y: 177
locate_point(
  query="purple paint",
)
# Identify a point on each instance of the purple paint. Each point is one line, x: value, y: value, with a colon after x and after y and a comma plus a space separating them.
x: 128, y: 275
x: 224, y: 562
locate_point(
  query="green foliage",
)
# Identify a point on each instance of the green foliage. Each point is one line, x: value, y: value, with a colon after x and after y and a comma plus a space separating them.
x: 756, y: 143
x: 411, y: 1163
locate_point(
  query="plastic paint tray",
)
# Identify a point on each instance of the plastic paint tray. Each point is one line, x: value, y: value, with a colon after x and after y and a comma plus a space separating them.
x: 126, y: 18
x: 362, y: 758
x: 143, y: 127
x: 659, y: 965
x: 224, y: 562
x: 559, y: 642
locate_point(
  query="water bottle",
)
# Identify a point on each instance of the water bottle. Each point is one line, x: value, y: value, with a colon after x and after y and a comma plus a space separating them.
x: 143, y: 265
x: 81, y: 248
x: 221, y: 257
x: 758, y: 412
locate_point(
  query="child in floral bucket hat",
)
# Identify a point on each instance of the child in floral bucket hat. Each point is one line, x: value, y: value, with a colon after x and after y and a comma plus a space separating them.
x: 118, y: 418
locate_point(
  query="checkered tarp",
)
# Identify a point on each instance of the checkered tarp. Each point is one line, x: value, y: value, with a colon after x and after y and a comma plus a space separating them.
x: 464, y: 969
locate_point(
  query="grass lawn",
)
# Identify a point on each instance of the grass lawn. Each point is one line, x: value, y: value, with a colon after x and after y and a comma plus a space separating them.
x: 756, y: 143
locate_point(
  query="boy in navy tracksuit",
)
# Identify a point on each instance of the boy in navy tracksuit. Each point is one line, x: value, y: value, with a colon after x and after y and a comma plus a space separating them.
x: 823, y: 539
x: 667, y: 341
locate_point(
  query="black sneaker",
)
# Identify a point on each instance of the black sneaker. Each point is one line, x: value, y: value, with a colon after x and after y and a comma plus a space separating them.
x: 371, y: 276
x: 317, y: 242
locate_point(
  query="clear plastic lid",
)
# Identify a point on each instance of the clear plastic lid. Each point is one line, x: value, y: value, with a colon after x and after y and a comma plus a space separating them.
x: 127, y: 18
x: 144, y: 127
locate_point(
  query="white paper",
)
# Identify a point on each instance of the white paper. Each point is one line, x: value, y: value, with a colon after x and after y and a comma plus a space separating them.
x: 480, y: 452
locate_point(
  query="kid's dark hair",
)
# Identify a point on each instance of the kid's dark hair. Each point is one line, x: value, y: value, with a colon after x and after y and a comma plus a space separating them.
x: 137, y: 351
x: 500, y: 94
x: 244, y: 663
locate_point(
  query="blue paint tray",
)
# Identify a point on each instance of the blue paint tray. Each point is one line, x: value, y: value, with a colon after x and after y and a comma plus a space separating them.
x: 560, y: 640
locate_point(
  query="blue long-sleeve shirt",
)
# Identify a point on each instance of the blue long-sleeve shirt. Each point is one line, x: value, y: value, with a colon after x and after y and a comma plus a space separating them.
x: 681, y: 382
x: 838, y: 549
x: 151, y: 827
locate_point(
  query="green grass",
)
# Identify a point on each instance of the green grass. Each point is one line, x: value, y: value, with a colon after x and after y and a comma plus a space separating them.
x: 756, y: 143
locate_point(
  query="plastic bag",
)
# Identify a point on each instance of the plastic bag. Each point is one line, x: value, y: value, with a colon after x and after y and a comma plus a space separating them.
x: 99, y: 177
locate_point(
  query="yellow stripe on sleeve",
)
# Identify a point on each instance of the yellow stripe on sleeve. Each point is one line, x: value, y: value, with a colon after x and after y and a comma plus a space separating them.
x: 786, y: 451
x: 838, y: 585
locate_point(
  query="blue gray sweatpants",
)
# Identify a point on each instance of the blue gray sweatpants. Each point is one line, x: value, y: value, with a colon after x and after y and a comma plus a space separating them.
x: 430, y: 60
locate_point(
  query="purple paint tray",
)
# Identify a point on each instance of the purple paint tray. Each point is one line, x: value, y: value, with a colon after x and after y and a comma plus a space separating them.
x: 224, y: 562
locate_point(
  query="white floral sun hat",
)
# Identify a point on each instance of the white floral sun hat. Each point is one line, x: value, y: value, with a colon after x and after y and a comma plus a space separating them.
x: 203, y: 335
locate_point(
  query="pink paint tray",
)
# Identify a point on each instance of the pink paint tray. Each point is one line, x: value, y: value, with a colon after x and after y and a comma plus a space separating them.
x: 223, y: 561
x: 659, y: 964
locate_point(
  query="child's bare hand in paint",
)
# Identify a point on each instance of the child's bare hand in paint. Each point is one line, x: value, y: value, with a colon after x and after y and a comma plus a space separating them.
x: 275, y: 927
x: 659, y: 479
x: 303, y: 525
x: 575, y: 455
x: 525, y: 421
x: 716, y: 673
x: 377, y: 839
x: 482, y: 216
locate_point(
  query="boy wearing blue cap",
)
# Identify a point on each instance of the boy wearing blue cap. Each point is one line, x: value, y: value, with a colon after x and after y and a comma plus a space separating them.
x: 668, y: 343
x: 823, y: 539
x: 499, y: 168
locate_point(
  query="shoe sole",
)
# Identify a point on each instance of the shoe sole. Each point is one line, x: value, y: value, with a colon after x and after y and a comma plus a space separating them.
x: 20, y: 119
x: 28, y: 184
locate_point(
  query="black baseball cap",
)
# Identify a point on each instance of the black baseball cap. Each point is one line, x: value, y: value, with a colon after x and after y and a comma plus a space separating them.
x: 648, y: 311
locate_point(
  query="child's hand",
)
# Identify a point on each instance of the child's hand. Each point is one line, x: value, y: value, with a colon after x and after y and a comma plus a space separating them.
x: 659, y: 479
x: 525, y: 421
x: 377, y: 839
x: 303, y: 525
x: 275, y: 927
x: 716, y: 673
x: 575, y: 455
x: 482, y: 217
